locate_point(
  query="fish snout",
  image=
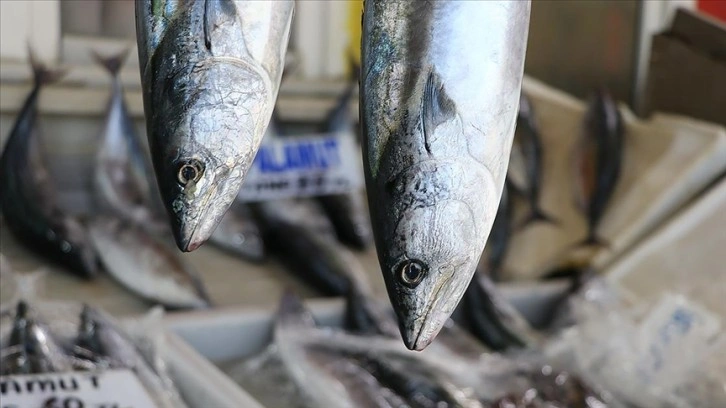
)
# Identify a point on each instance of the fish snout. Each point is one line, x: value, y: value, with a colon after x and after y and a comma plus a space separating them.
x: 439, y: 251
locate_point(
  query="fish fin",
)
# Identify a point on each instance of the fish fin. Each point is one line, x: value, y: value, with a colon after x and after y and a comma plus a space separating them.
x: 112, y: 63
x: 214, y: 10
x: 593, y: 240
x: 291, y: 310
x: 537, y: 215
x: 43, y: 75
x: 437, y: 107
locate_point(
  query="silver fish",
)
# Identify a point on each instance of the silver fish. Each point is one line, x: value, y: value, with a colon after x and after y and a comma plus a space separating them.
x: 121, y: 178
x: 239, y: 234
x: 32, y: 349
x: 120, y: 351
x: 145, y: 266
x: 210, y: 73
x: 27, y: 194
x: 440, y: 91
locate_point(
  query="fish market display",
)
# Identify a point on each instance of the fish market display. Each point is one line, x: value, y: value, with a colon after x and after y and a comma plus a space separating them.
x: 311, y: 366
x: 438, y: 113
x: 97, y: 344
x: 122, y: 176
x: 529, y: 143
x: 27, y: 195
x: 347, y: 212
x: 210, y: 73
x: 239, y: 234
x: 145, y: 266
x: 598, y: 158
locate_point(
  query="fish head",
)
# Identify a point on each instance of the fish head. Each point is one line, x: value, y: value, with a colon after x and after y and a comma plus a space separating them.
x: 432, y: 243
x: 208, y: 99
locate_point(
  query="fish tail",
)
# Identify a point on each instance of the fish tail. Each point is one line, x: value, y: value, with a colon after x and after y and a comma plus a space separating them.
x: 43, y: 75
x: 538, y: 215
x: 112, y: 63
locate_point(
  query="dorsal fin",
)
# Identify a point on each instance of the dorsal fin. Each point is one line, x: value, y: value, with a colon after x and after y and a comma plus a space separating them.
x: 437, y: 107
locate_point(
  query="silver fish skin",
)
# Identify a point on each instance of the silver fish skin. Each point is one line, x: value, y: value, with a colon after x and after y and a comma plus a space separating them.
x: 145, y: 266
x: 210, y: 73
x: 122, y: 178
x: 440, y: 92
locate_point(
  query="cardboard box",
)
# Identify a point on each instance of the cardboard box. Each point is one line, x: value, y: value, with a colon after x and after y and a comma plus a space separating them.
x: 688, y: 69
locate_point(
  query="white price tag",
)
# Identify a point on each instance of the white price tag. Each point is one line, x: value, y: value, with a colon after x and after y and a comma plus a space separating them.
x: 107, y: 389
x: 304, y: 166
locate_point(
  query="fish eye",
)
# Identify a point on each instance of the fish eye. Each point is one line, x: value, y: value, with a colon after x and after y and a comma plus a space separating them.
x: 190, y: 171
x: 411, y: 272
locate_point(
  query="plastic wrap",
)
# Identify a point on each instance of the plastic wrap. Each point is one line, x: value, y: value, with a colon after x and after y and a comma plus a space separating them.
x: 667, y: 354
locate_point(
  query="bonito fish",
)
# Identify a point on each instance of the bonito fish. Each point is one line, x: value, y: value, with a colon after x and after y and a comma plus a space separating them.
x: 145, y: 266
x: 27, y: 197
x: 598, y: 159
x: 529, y: 142
x: 122, y: 178
x: 210, y: 71
x: 440, y: 88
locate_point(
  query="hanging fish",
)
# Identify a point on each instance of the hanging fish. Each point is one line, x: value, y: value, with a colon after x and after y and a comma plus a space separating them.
x: 210, y: 72
x: 438, y: 110
x: 27, y: 196
x: 598, y: 159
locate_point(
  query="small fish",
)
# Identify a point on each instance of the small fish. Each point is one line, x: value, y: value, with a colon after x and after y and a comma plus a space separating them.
x: 27, y: 196
x: 146, y: 267
x: 315, y: 257
x: 598, y: 159
x: 438, y: 114
x: 210, y: 74
x: 492, y: 319
x: 119, y: 351
x: 32, y: 347
x: 529, y: 143
x: 239, y: 234
x: 122, y: 176
x: 347, y: 212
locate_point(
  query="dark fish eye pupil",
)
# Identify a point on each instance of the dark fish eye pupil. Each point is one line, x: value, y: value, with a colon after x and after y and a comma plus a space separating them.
x: 189, y: 171
x: 412, y: 272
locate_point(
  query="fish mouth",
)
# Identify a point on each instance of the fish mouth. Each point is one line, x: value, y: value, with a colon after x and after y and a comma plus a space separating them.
x: 425, y: 328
